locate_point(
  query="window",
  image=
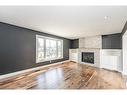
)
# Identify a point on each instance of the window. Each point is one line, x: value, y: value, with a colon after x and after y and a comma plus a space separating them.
x: 48, y: 48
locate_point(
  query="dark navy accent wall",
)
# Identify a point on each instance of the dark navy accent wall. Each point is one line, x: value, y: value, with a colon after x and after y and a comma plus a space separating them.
x: 74, y: 43
x: 112, y: 41
x: 18, y: 48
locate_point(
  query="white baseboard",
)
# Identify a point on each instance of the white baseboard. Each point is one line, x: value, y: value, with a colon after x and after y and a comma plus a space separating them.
x: 28, y: 70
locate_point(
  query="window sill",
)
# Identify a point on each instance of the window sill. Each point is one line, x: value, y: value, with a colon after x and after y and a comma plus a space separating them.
x: 51, y: 59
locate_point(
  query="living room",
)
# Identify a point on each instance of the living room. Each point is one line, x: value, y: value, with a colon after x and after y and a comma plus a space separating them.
x: 63, y: 47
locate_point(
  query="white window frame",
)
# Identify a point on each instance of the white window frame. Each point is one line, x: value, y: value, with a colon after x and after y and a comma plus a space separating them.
x: 49, y: 59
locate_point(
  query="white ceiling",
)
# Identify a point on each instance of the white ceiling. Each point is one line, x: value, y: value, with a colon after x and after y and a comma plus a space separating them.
x: 67, y: 21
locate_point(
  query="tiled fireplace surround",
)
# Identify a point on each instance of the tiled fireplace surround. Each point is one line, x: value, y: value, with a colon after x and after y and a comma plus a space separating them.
x: 96, y: 56
x: 90, y: 44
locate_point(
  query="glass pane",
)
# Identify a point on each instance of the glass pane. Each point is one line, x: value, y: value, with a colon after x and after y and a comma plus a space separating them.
x: 40, y: 49
x: 51, y: 48
x: 59, y: 49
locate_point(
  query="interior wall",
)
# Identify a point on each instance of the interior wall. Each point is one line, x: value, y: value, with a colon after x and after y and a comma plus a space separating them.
x: 125, y: 54
x: 91, y: 42
x: 112, y: 41
x: 18, y: 48
x: 124, y: 29
x: 75, y: 44
x: 124, y: 46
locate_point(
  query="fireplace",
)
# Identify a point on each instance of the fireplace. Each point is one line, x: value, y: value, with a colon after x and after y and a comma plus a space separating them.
x: 88, y: 57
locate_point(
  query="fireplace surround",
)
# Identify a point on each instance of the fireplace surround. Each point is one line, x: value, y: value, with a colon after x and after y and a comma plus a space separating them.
x: 90, y: 50
x: 88, y: 57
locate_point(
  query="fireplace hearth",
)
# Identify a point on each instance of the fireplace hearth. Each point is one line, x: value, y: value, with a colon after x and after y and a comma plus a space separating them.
x: 88, y: 57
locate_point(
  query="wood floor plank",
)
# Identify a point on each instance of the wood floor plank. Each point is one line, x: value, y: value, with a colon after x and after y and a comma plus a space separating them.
x: 67, y: 76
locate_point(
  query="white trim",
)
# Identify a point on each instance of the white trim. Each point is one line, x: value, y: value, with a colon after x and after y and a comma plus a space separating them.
x: 53, y: 38
x: 28, y: 70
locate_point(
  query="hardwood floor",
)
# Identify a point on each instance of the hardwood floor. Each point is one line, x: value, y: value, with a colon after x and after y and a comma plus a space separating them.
x: 67, y: 76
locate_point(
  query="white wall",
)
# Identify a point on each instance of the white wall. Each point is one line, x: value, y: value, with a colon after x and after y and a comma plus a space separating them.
x: 125, y: 53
